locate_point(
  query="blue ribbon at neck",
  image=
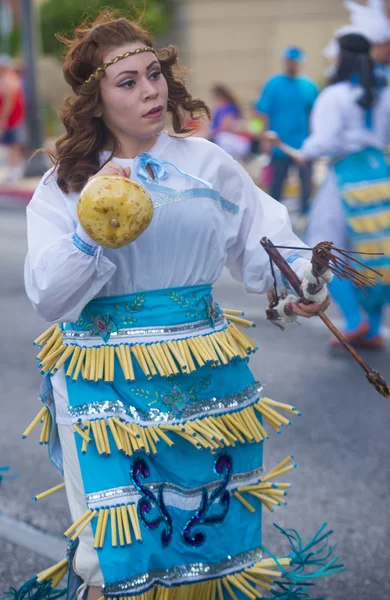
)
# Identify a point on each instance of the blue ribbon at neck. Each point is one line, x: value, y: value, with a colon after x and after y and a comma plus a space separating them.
x: 160, y: 171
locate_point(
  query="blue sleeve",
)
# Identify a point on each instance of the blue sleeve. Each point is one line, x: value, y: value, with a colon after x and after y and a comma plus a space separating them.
x: 264, y: 101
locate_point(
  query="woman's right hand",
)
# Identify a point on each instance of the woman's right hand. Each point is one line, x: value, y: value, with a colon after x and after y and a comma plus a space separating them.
x: 112, y: 168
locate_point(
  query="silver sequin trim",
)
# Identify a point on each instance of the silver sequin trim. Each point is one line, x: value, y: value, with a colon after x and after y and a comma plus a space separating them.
x: 174, y: 495
x: 155, y: 332
x: 107, y: 408
x: 184, y: 574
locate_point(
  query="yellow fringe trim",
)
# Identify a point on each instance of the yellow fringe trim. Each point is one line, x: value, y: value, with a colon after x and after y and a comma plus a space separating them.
x: 55, y: 573
x: 378, y: 246
x: 52, y: 490
x: 369, y: 194
x: 44, y: 417
x: 163, y: 358
x: 78, y: 526
x: 210, y: 432
x: 123, y: 520
x: 269, y: 493
x: 372, y: 223
x: 384, y: 271
x: 262, y: 575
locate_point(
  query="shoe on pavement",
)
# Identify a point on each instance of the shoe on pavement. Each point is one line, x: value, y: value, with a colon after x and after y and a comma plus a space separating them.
x: 375, y: 343
x: 354, y: 337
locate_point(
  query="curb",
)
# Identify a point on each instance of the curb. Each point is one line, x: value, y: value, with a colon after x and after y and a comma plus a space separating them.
x: 21, y: 194
x: 25, y: 535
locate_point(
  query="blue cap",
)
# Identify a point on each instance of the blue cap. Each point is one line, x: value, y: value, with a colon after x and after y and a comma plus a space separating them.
x: 293, y: 53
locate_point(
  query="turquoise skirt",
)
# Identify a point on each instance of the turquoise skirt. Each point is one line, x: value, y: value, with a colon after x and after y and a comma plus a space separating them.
x: 169, y: 425
x: 364, y: 183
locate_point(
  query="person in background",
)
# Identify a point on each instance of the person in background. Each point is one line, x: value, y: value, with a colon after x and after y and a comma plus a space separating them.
x: 350, y: 125
x: 226, y: 128
x: 373, y: 22
x: 285, y: 103
x: 18, y: 65
x: 12, y: 112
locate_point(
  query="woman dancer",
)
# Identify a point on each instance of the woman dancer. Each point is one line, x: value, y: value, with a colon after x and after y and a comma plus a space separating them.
x: 158, y: 416
x: 351, y: 126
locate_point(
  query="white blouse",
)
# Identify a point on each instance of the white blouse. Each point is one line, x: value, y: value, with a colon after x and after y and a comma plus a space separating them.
x: 191, y: 237
x: 338, y: 124
x: 194, y: 232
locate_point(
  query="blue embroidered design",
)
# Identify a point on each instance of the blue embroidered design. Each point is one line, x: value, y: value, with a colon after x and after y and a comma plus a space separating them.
x: 293, y: 257
x: 223, y: 466
x: 198, y: 387
x: 102, y: 325
x: 123, y: 313
x: 177, y: 196
x: 197, y: 308
x: 212, y: 310
x: 149, y: 501
x: 193, y: 305
x: 146, y: 393
x: 83, y: 246
x: 290, y: 259
x: 105, y: 324
x: 176, y: 399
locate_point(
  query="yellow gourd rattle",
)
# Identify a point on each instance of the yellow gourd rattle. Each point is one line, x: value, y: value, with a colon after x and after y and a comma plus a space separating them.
x: 114, y: 210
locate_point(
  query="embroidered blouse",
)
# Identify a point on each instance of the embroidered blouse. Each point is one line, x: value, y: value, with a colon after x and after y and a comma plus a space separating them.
x: 208, y: 214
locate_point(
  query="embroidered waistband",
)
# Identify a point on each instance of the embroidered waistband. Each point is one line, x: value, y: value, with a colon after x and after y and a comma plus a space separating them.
x: 164, y: 308
x: 153, y: 416
x: 140, y: 334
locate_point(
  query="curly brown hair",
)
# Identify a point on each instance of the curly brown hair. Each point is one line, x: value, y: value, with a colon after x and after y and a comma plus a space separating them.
x: 76, y: 155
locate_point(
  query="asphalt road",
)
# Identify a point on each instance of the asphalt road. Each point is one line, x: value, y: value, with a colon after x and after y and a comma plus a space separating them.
x: 341, y: 443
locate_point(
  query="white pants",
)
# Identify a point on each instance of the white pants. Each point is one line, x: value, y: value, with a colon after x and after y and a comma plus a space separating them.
x: 86, y: 562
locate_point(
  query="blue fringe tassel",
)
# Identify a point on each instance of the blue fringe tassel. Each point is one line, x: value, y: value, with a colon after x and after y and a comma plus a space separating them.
x: 5, y: 470
x: 292, y: 591
x: 315, y: 556
x: 31, y: 590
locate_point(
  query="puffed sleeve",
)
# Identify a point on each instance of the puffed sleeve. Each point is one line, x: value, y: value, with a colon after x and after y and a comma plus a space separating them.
x: 64, y: 268
x: 326, y: 126
x: 258, y: 215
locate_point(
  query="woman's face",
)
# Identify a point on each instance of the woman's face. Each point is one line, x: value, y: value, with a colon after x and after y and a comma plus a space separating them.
x: 134, y: 94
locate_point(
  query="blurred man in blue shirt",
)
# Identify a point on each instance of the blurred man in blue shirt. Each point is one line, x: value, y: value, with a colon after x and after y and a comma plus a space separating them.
x: 285, y: 104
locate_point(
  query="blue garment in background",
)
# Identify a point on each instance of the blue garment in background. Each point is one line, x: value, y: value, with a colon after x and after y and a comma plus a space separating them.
x: 288, y: 101
x: 220, y: 113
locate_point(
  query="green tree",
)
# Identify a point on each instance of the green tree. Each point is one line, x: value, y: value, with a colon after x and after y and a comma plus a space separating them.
x: 61, y: 16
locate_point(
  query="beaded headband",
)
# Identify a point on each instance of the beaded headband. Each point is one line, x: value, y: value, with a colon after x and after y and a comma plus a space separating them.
x: 115, y: 60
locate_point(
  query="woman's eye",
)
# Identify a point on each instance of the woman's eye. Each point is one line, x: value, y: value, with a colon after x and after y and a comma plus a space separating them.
x: 155, y: 74
x: 128, y: 84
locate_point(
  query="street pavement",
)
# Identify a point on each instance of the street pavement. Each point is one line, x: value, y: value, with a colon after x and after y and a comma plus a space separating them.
x: 340, y: 444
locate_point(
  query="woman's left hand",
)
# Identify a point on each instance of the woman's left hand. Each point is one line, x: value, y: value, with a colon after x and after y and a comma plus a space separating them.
x: 309, y: 310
